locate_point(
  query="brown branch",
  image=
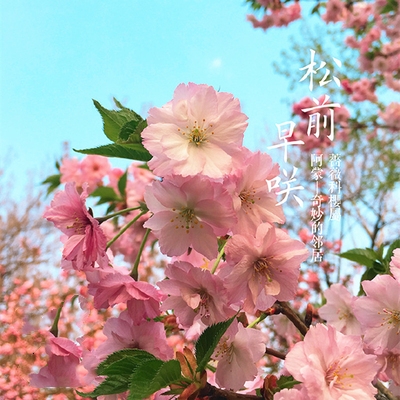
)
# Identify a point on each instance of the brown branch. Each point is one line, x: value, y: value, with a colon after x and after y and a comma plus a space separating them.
x: 284, y: 308
x: 213, y: 393
x: 275, y: 353
x: 384, y: 390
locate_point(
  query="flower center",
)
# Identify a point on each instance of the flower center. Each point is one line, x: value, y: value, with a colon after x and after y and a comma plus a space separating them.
x: 336, y: 376
x: 185, y: 219
x: 198, y: 133
x: 78, y: 226
x: 224, y: 350
x: 263, y: 267
x: 392, y: 319
x: 203, y: 308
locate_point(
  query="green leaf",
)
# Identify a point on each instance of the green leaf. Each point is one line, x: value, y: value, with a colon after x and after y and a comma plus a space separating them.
x: 122, y: 184
x: 152, y: 376
x: 111, y: 385
x: 114, y: 120
x: 106, y: 194
x: 286, y: 382
x: 379, y: 268
x: 141, y: 380
x: 391, y: 5
x: 54, y: 181
x: 208, y: 341
x: 134, y: 354
x: 131, y: 131
x: 130, y: 151
x: 392, y: 247
x: 361, y: 256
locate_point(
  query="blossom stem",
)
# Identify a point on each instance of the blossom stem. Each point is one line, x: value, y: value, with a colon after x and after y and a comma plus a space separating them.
x: 134, y: 274
x: 284, y: 308
x: 275, y: 353
x: 120, y: 212
x: 384, y: 390
x: 217, y: 261
x: 124, y: 229
x: 258, y: 320
x: 54, y: 327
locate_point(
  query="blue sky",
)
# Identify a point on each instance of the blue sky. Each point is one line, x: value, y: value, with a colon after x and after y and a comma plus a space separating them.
x: 56, y: 56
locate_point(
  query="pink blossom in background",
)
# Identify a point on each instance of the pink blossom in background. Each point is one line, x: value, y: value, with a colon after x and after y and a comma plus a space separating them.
x: 338, y: 310
x: 391, y: 116
x: 197, y: 132
x: 61, y: 369
x: 395, y: 264
x: 264, y: 268
x: 237, y: 353
x: 254, y: 203
x: 189, y: 212
x: 379, y: 313
x: 86, y: 242
x: 194, y: 293
x: 91, y: 170
x: 331, y: 365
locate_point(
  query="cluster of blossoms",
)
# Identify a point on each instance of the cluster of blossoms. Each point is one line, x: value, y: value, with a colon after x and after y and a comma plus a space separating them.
x: 210, y: 208
x: 338, y: 117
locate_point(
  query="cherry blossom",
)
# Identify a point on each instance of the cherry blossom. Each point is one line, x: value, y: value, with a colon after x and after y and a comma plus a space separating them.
x: 197, y: 132
x: 237, y: 353
x: 338, y: 310
x: 189, y: 212
x: 379, y: 313
x: 332, y: 365
x: 61, y: 369
x: 254, y: 202
x: 85, y: 243
x: 194, y: 294
x: 264, y: 268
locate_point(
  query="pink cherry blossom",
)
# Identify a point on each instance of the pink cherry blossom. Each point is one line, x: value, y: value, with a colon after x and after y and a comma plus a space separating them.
x: 142, y: 298
x: 395, y: 264
x: 194, y: 293
x: 338, y: 310
x: 122, y: 333
x: 254, y: 202
x: 332, y: 365
x: 92, y: 169
x: 237, y: 353
x: 189, y: 212
x: 379, y: 313
x: 86, y: 242
x: 290, y: 394
x: 61, y: 369
x: 197, y: 132
x: 264, y: 268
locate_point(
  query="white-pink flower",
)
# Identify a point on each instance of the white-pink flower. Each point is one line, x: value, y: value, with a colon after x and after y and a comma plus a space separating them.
x: 264, y: 268
x: 237, y: 353
x: 197, y: 132
x: 86, y: 242
x: 332, y: 366
x: 379, y: 313
x: 189, y: 212
x: 254, y: 202
x: 338, y: 310
x: 194, y: 294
